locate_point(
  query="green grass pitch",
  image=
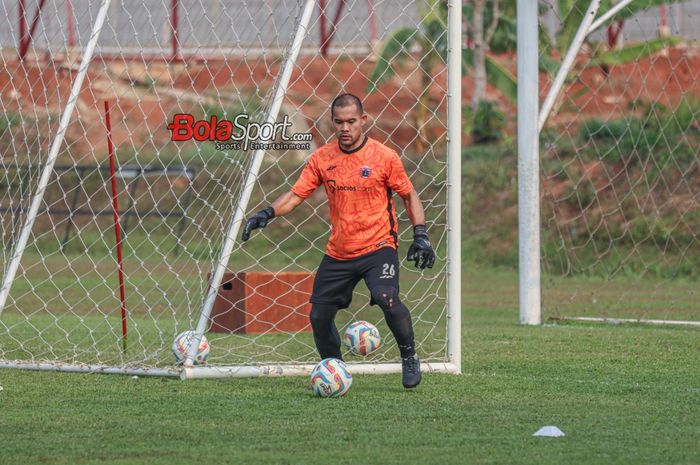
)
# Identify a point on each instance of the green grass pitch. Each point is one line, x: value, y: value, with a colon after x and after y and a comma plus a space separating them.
x: 627, y: 394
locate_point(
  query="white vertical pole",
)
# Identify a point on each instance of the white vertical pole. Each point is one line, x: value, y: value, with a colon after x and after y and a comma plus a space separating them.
x: 21, y: 243
x: 454, y: 183
x: 251, y: 177
x: 528, y: 163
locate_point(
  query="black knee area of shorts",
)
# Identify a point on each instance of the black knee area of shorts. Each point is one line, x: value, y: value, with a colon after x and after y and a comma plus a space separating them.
x: 386, y: 297
x: 322, y: 315
x: 326, y: 335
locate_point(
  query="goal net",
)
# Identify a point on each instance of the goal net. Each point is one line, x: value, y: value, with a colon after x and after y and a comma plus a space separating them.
x: 619, y: 162
x: 180, y: 203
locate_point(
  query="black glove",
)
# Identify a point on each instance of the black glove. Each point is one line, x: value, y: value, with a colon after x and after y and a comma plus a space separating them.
x: 421, y: 251
x: 259, y: 220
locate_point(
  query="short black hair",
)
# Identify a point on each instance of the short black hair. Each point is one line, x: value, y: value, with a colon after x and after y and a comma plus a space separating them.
x: 346, y: 100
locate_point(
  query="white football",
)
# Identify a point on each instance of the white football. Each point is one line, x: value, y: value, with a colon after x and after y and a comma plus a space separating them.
x: 362, y: 338
x: 331, y: 378
x: 182, y: 343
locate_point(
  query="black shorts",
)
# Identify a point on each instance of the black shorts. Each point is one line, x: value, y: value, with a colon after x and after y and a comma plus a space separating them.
x: 336, y: 279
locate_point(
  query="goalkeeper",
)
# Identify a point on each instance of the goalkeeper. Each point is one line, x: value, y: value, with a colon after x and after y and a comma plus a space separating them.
x: 359, y: 175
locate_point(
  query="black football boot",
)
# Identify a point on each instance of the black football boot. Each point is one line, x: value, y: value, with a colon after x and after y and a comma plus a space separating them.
x: 410, y: 367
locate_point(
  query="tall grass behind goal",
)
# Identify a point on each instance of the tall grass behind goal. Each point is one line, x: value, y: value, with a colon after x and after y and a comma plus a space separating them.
x: 181, y: 203
x: 619, y: 159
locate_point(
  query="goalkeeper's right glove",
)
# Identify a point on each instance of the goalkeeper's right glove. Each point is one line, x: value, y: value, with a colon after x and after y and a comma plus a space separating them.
x: 259, y: 220
x: 421, y: 252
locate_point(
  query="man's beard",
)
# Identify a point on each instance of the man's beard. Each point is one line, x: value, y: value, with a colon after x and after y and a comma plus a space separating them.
x: 346, y: 142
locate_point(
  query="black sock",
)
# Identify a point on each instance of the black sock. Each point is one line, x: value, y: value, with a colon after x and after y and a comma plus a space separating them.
x: 326, y: 334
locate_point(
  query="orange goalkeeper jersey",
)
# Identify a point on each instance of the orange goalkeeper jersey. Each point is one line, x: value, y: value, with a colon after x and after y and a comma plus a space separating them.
x: 359, y: 185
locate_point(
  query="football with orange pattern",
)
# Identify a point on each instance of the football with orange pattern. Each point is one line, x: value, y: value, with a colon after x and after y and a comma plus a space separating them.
x: 362, y: 338
x: 331, y: 378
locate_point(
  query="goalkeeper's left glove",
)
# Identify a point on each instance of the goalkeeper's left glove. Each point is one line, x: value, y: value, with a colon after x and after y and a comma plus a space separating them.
x: 421, y: 251
x: 259, y: 220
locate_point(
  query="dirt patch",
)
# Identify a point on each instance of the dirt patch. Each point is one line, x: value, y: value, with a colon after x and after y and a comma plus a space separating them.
x: 146, y: 95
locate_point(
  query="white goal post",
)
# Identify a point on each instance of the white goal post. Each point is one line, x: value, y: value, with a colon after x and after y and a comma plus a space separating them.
x: 75, y: 299
x: 607, y: 167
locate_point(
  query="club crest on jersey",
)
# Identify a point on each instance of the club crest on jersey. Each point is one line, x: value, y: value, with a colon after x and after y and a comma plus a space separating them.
x: 365, y: 171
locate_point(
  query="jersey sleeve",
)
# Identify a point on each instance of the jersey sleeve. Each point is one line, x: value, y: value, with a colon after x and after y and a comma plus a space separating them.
x: 397, y: 179
x: 309, y: 179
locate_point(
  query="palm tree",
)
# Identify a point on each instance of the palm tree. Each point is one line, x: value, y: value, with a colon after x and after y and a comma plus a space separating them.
x: 431, y: 40
x: 573, y: 11
x: 493, y: 27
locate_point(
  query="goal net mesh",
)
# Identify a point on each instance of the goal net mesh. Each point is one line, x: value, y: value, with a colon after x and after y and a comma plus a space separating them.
x: 620, y: 165
x: 206, y: 58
